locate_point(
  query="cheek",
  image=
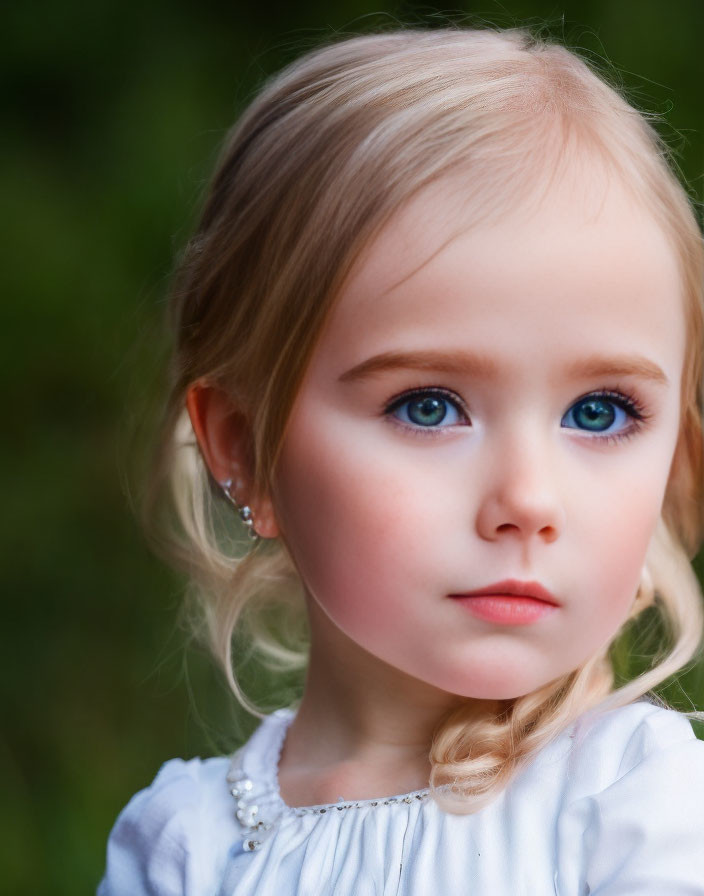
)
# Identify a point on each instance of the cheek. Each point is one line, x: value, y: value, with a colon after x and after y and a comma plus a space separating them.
x: 344, y: 513
x: 621, y: 530
x: 624, y: 567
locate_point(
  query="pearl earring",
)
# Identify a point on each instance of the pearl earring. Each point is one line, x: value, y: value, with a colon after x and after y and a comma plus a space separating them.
x: 244, y: 510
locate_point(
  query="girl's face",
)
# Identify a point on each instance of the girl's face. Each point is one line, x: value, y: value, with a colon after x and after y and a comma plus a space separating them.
x: 489, y: 409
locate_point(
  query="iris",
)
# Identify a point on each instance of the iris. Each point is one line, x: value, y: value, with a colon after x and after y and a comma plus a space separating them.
x: 428, y: 411
x: 595, y: 414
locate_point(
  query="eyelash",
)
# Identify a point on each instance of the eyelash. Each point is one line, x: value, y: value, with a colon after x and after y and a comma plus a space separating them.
x: 628, y: 403
x: 622, y: 399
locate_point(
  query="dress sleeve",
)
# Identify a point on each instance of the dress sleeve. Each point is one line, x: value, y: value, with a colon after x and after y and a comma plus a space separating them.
x: 644, y: 833
x: 159, y: 844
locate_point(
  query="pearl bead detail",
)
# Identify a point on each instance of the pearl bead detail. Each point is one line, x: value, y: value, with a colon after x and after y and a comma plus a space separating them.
x: 260, y: 809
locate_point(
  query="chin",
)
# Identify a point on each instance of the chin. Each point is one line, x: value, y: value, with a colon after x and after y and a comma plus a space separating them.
x: 501, y: 688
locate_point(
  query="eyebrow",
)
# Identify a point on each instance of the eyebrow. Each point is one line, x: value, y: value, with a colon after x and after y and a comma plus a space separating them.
x: 618, y: 366
x: 480, y: 366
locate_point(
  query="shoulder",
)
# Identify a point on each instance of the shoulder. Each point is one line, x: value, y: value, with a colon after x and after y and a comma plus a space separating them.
x: 633, y: 800
x: 612, y: 743
x: 173, y: 836
x: 642, y: 752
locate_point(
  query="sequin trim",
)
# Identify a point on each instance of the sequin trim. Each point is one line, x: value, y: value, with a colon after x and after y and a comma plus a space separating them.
x: 259, y: 821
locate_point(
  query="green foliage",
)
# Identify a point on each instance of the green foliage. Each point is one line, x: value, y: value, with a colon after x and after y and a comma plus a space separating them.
x: 115, y: 114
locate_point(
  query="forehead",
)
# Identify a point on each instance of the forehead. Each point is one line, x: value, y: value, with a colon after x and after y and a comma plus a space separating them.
x: 585, y: 256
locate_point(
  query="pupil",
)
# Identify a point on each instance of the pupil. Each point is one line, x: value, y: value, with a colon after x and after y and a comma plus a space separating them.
x: 427, y: 411
x: 595, y: 414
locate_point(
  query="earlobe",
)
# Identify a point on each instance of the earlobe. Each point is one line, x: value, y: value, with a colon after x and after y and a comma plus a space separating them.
x: 263, y: 518
x: 223, y: 435
x: 260, y: 523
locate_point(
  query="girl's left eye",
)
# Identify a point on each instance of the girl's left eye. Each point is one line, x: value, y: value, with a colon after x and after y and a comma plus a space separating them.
x: 603, y: 413
x: 427, y: 409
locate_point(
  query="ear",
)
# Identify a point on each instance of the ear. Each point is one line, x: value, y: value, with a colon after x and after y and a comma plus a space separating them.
x: 224, y: 437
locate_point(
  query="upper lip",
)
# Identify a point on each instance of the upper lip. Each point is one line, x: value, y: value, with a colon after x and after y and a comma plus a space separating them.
x: 516, y: 588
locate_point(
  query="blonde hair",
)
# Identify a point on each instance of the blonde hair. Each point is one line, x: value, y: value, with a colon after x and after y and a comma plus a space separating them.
x: 326, y: 153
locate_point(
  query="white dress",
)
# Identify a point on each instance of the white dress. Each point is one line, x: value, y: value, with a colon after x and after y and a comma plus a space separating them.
x: 613, y: 807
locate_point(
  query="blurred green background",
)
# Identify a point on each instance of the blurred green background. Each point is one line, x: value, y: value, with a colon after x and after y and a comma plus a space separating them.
x: 114, y: 115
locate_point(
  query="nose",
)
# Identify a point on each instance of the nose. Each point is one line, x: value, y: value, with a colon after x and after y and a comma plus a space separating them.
x: 521, y: 498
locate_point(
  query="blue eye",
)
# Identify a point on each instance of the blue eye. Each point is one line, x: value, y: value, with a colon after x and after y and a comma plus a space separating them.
x: 602, y: 412
x: 427, y: 409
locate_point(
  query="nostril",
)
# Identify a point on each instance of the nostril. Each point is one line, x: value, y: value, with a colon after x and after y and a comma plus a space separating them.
x: 499, y: 517
x: 549, y: 533
x: 507, y: 527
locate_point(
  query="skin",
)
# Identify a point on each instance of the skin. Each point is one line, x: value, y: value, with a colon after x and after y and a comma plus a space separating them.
x: 515, y: 322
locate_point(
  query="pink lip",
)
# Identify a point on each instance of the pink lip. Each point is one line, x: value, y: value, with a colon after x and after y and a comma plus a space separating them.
x: 509, y: 602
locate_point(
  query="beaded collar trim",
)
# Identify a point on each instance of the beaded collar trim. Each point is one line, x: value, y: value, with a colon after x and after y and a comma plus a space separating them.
x: 260, y: 807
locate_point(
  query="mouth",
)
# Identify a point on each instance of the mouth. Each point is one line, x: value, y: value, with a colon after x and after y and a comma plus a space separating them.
x: 510, y: 602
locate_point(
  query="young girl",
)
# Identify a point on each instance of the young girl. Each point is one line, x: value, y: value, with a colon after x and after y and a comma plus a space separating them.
x: 439, y: 341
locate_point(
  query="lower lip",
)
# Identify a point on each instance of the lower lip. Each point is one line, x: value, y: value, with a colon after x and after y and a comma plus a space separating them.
x: 506, y: 609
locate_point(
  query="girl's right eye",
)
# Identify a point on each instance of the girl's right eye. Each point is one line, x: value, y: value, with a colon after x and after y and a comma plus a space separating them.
x: 427, y: 409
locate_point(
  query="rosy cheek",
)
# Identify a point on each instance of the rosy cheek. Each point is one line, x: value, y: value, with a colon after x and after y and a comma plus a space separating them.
x: 618, y: 565
x: 626, y: 569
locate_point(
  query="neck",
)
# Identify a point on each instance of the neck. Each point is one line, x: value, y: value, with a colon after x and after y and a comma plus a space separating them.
x: 361, y: 723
